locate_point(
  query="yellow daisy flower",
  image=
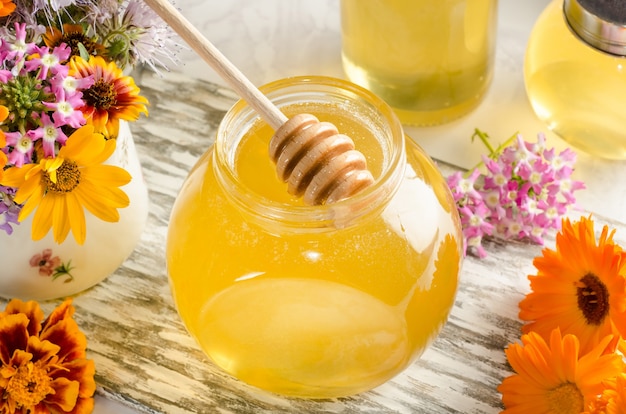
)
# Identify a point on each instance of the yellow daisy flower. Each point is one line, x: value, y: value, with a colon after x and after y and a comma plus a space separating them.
x: 60, y: 187
x: 580, y: 287
x: 112, y: 97
x: 43, y: 364
x: 554, y: 377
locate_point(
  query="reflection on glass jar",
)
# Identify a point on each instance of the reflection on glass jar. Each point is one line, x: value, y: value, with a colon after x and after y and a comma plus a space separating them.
x: 578, y: 90
x: 314, y: 301
x: 432, y: 61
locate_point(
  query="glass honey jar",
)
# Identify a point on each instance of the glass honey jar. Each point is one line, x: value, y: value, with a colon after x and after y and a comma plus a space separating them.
x: 314, y: 301
x: 432, y: 61
x: 575, y: 74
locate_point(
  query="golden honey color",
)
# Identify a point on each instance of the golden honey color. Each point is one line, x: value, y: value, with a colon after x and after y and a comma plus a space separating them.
x: 575, y: 89
x: 313, y: 313
x: 432, y: 61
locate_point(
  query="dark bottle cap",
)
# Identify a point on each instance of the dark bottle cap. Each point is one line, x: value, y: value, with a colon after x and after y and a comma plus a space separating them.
x: 600, y: 23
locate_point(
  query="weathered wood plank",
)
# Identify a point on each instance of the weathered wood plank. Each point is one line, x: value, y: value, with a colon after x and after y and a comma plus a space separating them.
x: 145, y: 357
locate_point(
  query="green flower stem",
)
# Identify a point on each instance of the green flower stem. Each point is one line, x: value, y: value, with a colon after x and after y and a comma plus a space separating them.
x: 484, y: 138
x: 494, y: 153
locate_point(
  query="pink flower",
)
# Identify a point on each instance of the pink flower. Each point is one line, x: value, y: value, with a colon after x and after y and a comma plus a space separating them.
x: 19, y: 47
x: 50, y: 134
x: 46, y: 61
x: 22, y: 148
x: 65, y: 112
x: 524, y: 192
x: 61, y: 84
x: 46, y: 263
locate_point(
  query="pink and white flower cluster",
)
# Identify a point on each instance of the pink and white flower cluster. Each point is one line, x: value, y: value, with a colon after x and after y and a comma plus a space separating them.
x: 27, y: 67
x: 524, y: 192
x: 45, y: 104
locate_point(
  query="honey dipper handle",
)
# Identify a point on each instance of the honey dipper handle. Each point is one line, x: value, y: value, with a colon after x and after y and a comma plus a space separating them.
x: 224, y: 68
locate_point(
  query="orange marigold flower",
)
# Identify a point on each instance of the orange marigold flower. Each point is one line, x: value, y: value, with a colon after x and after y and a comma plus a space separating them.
x: 112, y: 96
x: 6, y: 7
x: 580, y: 287
x: 554, y: 377
x: 613, y: 398
x: 44, y: 365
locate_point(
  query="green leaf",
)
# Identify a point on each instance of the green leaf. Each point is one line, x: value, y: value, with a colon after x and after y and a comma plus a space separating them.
x: 84, y: 53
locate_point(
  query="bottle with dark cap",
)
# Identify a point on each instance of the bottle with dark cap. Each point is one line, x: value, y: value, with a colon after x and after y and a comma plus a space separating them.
x: 575, y: 74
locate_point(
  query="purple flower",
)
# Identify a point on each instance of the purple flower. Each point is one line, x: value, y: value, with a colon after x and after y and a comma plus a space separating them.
x: 8, y: 216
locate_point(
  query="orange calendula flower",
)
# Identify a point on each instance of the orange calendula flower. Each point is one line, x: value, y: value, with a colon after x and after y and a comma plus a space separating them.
x: 112, y: 96
x: 60, y: 187
x: 4, y: 113
x: 613, y: 398
x: 44, y: 365
x: 554, y: 377
x: 6, y: 7
x: 580, y: 287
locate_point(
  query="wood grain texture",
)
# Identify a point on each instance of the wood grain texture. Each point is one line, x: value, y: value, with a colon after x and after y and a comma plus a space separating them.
x: 145, y: 358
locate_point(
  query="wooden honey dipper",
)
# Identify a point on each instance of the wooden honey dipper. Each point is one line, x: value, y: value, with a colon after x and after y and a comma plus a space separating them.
x: 315, y: 160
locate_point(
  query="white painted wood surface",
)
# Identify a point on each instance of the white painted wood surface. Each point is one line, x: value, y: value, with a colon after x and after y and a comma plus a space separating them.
x: 146, y: 360
x: 147, y: 363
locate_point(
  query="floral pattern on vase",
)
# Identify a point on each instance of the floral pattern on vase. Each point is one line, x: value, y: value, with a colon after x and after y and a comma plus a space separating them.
x: 52, y: 266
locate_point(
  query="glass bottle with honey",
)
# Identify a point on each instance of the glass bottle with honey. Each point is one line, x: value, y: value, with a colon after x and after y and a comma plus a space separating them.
x: 575, y: 74
x: 432, y: 61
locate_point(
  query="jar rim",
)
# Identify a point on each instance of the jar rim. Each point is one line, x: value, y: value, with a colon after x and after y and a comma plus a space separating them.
x: 600, y: 28
x: 317, y: 217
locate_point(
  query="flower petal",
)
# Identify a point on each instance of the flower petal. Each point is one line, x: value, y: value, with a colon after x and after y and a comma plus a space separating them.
x: 82, y: 371
x: 31, y: 309
x: 61, y: 329
x: 68, y: 336
x: 76, y: 218
x: 32, y: 203
x: 42, y: 350
x: 60, y: 218
x: 42, y: 221
x: 65, y: 394
x: 13, y: 335
x: 109, y: 175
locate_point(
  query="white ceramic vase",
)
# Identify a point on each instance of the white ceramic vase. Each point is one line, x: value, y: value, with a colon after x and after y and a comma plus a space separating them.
x: 44, y: 269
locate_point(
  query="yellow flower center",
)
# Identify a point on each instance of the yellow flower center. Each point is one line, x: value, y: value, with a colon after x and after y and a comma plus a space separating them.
x: 593, y: 299
x: 29, y: 386
x: 101, y: 95
x: 66, y: 180
x: 565, y: 399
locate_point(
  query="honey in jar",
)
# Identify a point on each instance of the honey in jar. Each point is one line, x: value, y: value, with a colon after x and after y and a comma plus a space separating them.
x: 432, y: 61
x: 314, y: 301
